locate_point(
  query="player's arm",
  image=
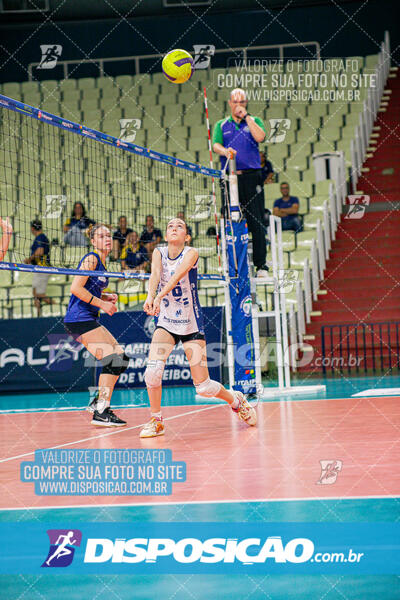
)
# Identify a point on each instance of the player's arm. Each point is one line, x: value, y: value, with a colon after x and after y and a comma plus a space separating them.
x: 78, y: 287
x: 187, y: 263
x: 154, y: 280
x: 6, y: 237
x: 218, y: 142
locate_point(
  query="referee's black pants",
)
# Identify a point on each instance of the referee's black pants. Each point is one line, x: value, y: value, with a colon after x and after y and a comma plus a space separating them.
x: 251, y: 199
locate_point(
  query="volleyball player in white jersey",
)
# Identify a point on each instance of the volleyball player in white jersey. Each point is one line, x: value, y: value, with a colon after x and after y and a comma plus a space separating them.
x: 172, y: 297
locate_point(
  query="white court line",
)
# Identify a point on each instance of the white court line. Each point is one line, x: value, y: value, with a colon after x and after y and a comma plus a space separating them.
x: 19, y: 411
x: 51, y: 409
x: 379, y: 391
x: 194, y: 502
x: 114, y: 432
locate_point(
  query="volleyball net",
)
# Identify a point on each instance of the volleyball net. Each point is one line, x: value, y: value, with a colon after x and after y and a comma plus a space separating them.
x: 48, y: 164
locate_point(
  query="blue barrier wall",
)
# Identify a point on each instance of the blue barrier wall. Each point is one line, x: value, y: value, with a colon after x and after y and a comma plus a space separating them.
x: 37, y: 354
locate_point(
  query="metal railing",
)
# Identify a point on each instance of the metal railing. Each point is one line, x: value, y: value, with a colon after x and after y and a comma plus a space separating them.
x: 242, y: 55
x: 361, y: 347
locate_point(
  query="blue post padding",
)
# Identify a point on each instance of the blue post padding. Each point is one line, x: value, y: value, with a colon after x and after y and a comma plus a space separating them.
x: 240, y: 295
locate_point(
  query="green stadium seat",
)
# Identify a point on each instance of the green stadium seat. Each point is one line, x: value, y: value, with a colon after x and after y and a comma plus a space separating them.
x: 301, y: 188
x: 167, y: 99
x: 50, y: 106
x: 288, y: 240
x: 178, y: 146
x: 124, y: 81
x: 21, y: 292
x: 298, y: 258
x: 371, y: 62
x: 67, y: 85
x: 86, y: 83
x: 5, y: 278
x: 108, y: 104
x: 105, y: 83
x: 49, y: 87
x: 148, y: 101
x: 33, y: 98
x: 28, y: 87
x: 159, y: 78
x: 310, y: 222
x: 12, y: 90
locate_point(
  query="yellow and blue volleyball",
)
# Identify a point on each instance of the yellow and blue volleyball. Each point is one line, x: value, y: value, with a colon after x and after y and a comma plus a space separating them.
x: 177, y: 66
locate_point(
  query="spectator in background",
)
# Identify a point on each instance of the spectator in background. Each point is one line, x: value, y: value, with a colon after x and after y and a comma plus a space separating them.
x: 40, y: 255
x: 150, y: 236
x: 181, y: 215
x: 287, y: 207
x: 76, y: 226
x: 239, y: 135
x: 119, y: 237
x: 267, y: 170
x: 134, y: 255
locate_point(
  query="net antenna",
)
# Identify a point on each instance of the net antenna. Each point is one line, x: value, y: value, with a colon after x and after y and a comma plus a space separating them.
x: 213, y: 180
x: 231, y: 201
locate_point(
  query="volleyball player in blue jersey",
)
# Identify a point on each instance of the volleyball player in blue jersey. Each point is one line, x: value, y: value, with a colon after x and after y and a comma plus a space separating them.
x: 82, y: 322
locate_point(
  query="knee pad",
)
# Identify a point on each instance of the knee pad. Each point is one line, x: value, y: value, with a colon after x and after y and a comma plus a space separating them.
x: 154, y: 373
x: 115, y: 364
x: 208, y: 388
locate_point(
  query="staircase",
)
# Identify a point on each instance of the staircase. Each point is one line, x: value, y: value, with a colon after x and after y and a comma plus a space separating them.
x: 362, y: 277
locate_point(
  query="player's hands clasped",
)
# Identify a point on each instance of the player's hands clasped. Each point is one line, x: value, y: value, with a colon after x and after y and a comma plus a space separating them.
x: 156, y: 306
x: 152, y: 307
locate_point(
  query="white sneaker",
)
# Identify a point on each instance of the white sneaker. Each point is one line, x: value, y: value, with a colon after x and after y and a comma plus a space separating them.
x: 262, y: 273
x: 153, y: 428
x: 245, y: 411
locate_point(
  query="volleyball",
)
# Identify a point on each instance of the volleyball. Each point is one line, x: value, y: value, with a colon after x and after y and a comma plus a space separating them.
x: 177, y: 66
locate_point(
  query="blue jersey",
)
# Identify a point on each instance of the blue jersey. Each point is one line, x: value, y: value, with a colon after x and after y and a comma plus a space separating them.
x: 41, y: 241
x: 78, y: 310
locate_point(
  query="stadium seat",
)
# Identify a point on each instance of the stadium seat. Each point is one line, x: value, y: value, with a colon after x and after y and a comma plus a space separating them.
x: 86, y: 83
x: 12, y: 90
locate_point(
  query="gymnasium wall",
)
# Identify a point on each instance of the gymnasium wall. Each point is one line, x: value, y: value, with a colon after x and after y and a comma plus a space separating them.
x: 340, y: 29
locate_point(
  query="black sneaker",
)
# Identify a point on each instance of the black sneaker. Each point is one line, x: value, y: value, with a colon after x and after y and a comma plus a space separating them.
x: 91, y: 407
x: 107, y: 419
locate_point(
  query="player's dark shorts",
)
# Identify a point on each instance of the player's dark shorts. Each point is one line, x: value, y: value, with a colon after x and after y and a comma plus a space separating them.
x: 197, y: 335
x: 78, y: 328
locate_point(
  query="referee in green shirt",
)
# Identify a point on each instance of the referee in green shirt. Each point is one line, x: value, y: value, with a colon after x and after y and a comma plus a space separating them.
x: 241, y: 133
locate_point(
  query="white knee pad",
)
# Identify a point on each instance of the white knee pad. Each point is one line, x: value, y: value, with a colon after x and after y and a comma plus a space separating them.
x: 208, y: 388
x: 154, y: 373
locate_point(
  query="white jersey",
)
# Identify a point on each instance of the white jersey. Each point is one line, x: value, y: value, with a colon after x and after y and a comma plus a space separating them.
x: 180, y: 311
